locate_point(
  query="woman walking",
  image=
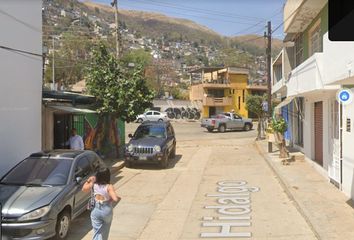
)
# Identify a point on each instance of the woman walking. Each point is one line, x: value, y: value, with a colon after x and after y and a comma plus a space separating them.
x: 104, y: 194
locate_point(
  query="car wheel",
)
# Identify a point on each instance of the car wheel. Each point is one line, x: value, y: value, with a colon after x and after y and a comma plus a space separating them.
x: 62, y: 226
x: 210, y: 129
x: 140, y: 120
x: 247, y: 127
x: 173, y: 153
x: 164, y: 161
x: 222, y: 128
x: 160, y: 120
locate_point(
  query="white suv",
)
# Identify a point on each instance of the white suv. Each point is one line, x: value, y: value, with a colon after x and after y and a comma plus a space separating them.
x: 152, y: 116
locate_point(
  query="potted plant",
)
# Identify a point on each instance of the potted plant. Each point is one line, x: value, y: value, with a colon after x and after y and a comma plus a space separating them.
x: 280, y: 126
x: 270, y: 133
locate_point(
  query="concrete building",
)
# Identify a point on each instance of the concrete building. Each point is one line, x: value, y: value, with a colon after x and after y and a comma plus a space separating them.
x: 220, y: 90
x: 307, y: 76
x: 21, y: 80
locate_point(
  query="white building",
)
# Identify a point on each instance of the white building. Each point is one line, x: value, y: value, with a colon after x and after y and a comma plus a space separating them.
x: 307, y: 76
x: 21, y: 81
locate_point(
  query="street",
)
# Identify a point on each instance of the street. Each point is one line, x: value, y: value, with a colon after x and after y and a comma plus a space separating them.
x: 217, y: 187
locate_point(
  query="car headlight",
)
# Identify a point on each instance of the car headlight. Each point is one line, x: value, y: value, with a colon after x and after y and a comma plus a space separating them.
x: 157, y: 148
x: 35, y: 214
x: 130, y: 148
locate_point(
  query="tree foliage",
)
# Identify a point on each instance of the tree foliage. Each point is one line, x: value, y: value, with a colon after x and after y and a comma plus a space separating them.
x: 119, y: 91
x: 254, y: 104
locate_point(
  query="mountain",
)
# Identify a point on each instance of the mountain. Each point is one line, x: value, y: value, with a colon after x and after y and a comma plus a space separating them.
x: 255, y: 44
x: 180, y: 45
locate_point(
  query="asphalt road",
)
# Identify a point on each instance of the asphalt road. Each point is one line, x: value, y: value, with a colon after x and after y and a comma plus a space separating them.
x: 217, y: 186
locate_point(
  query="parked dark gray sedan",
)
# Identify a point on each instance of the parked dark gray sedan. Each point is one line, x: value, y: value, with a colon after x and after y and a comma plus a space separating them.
x: 42, y: 194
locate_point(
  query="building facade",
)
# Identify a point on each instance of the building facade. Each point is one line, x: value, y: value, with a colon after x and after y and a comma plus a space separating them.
x: 21, y: 80
x: 220, y: 90
x: 307, y: 76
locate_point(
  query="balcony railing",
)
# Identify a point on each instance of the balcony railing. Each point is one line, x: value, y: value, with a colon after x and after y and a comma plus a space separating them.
x: 215, y: 101
x: 220, y: 83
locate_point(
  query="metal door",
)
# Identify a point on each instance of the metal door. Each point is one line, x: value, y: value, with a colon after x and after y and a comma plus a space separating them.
x: 334, y: 164
x: 318, y: 132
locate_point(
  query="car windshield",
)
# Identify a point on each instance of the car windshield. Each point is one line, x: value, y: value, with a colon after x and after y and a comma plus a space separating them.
x: 39, y: 172
x: 150, y: 131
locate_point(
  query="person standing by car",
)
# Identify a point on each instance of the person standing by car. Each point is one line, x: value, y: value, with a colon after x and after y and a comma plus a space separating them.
x: 75, y: 141
x: 104, y: 194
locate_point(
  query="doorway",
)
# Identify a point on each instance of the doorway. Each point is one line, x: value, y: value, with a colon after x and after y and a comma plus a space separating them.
x: 62, y: 126
x: 318, y: 123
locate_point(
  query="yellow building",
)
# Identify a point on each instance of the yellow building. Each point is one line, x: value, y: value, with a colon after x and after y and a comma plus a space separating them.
x: 220, y: 89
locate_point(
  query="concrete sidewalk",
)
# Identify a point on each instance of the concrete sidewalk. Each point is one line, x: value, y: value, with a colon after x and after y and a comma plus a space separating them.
x: 328, y: 212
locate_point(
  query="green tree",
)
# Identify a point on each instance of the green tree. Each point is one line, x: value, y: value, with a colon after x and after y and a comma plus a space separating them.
x: 138, y: 57
x: 120, y: 92
x: 254, y: 104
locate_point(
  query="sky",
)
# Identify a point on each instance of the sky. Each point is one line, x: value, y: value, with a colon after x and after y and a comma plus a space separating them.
x: 226, y: 17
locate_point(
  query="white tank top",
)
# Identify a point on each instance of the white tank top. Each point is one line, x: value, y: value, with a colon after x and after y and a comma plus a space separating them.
x: 101, y: 190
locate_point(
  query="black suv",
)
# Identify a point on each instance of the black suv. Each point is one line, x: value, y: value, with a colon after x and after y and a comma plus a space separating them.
x: 152, y: 142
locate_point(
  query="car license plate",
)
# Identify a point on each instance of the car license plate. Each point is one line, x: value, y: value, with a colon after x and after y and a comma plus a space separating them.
x: 142, y: 158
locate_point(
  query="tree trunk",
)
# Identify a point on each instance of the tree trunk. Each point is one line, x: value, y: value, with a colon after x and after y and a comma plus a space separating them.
x: 283, y: 152
x: 259, y: 129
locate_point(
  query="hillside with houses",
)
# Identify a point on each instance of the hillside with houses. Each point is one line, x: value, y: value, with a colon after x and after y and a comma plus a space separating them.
x: 176, y: 46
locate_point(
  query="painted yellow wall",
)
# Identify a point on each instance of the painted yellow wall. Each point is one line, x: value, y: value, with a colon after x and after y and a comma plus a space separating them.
x: 238, y: 84
x: 239, y: 91
x: 205, y: 112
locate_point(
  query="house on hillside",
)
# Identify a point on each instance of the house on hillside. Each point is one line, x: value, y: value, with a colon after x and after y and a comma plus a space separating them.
x: 220, y: 89
x: 307, y: 79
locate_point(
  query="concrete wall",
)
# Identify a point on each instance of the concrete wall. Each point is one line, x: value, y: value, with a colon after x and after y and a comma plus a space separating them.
x: 21, y: 81
x: 348, y: 156
x: 338, y: 59
x: 309, y: 139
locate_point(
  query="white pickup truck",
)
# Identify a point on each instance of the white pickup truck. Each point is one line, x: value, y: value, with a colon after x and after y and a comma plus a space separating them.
x: 225, y: 121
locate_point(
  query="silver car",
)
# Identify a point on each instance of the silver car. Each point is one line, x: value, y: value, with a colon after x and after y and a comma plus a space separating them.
x: 42, y: 194
x: 153, y: 116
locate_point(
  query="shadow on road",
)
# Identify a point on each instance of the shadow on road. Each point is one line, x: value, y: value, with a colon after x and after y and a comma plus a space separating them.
x: 154, y: 166
x: 228, y: 131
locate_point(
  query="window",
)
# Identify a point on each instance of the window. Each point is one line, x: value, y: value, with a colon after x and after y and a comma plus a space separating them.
x: 149, y: 113
x: 315, y: 41
x: 39, y: 171
x: 239, y: 102
x: 83, y: 168
x: 299, y: 121
x: 156, y: 113
x: 243, y: 95
x: 299, y: 50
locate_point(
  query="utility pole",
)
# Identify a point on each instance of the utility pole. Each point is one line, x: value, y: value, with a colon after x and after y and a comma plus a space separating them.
x: 53, y: 68
x: 114, y: 3
x: 269, y: 78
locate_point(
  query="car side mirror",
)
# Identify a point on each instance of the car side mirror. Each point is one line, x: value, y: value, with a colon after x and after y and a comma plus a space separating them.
x: 130, y: 135
x: 78, y: 180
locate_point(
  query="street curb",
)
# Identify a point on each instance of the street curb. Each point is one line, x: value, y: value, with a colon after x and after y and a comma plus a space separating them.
x: 117, y: 166
x: 284, y: 185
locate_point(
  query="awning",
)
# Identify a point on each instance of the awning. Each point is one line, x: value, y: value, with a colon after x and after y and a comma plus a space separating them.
x: 277, y: 109
x: 70, y: 109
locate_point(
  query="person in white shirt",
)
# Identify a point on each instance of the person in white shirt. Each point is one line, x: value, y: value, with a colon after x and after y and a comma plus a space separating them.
x: 75, y: 141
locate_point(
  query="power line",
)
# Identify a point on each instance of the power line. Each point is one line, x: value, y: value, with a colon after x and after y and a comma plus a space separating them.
x: 20, y: 51
x: 201, y: 10
x: 277, y: 27
x: 205, y: 17
x: 20, y: 21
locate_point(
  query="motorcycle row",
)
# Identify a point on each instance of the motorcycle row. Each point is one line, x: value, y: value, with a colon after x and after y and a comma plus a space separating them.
x: 183, y: 113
